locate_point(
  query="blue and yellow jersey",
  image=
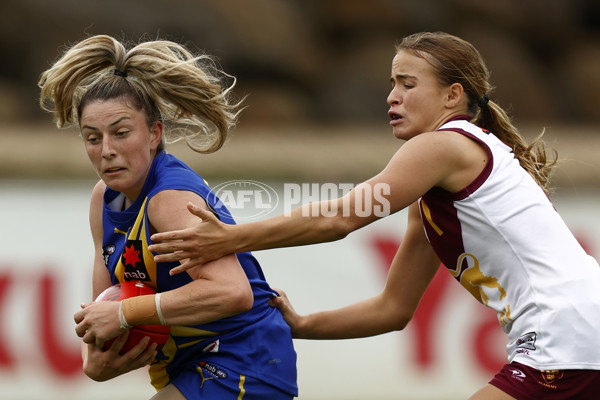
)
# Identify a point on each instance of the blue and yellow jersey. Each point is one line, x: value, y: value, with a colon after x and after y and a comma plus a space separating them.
x: 255, y: 343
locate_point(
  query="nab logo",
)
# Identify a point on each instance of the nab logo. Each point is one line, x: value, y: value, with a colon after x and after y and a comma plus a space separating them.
x: 244, y: 199
x: 133, y: 262
x: 212, y: 369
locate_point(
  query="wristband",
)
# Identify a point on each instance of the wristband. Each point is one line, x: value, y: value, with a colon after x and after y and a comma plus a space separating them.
x: 140, y: 310
x: 161, y: 317
x: 122, y: 320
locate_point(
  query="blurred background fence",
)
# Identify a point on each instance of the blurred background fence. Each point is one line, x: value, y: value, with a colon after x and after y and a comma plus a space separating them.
x: 316, y: 74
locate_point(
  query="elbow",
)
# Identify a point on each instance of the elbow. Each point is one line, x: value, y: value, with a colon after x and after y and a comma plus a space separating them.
x: 390, y: 315
x: 246, y: 303
x: 401, y: 324
x: 241, y: 300
x: 399, y: 321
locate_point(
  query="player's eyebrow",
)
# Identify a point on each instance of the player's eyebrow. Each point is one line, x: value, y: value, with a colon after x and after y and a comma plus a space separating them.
x: 110, y: 126
x: 399, y: 77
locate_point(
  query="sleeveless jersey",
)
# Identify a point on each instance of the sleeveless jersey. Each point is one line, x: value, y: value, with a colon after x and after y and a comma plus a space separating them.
x: 255, y: 343
x: 502, y: 239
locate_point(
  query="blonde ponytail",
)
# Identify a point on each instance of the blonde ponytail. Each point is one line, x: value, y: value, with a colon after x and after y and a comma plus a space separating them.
x: 184, y: 91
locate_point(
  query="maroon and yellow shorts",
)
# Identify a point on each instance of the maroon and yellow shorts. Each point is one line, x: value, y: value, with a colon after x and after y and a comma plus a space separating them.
x: 526, y: 383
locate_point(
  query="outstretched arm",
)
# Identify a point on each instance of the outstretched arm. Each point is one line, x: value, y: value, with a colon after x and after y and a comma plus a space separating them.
x: 444, y: 159
x: 210, y: 238
x: 412, y: 269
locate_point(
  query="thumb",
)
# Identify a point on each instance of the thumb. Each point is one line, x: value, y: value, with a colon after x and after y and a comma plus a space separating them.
x: 199, y: 212
x: 275, y: 301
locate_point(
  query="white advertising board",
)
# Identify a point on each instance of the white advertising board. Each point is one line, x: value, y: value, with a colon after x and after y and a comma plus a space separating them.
x: 452, y: 347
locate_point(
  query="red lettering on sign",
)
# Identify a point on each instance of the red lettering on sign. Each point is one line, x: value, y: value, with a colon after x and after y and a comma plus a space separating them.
x: 484, y: 343
x: 6, y: 359
x: 64, y: 360
x: 425, y: 314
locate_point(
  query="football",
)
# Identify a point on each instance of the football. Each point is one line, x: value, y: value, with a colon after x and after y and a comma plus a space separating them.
x: 157, y: 333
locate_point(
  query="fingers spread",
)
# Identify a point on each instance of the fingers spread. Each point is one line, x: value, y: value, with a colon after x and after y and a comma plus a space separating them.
x: 166, y: 236
x: 186, y: 265
x: 118, y: 344
x: 199, y: 212
x: 177, y: 270
x: 170, y: 256
x: 139, y: 348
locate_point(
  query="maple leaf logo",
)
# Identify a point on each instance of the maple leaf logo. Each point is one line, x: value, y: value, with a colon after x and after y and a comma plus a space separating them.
x: 131, y: 255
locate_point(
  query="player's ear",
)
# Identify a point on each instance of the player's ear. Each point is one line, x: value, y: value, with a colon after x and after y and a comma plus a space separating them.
x: 454, y: 94
x: 156, y: 131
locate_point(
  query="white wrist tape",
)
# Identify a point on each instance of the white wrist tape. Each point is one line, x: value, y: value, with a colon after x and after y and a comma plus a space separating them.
x: 161, y: 317
x: 122, y: 321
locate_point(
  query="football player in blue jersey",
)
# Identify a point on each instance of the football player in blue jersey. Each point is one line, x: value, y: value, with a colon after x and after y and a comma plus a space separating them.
x: 225, y: 342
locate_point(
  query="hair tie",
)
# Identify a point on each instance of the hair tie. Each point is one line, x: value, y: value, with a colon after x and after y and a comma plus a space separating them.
x: 483, y: 101
x: 118, y: 72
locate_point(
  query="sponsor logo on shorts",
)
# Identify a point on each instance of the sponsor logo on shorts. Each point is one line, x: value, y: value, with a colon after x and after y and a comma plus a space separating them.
x: 213, y: 347
x: 209, y: 372
x: 213, y: 370
x: 518, y: 375
x: 551, y: 377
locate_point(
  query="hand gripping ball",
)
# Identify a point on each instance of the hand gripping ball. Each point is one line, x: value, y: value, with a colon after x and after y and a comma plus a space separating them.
x: 157, y: 333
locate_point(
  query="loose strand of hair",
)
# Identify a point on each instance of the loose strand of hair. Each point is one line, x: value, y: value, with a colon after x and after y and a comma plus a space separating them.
x: 189, y: 93
x: 59, y: 84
